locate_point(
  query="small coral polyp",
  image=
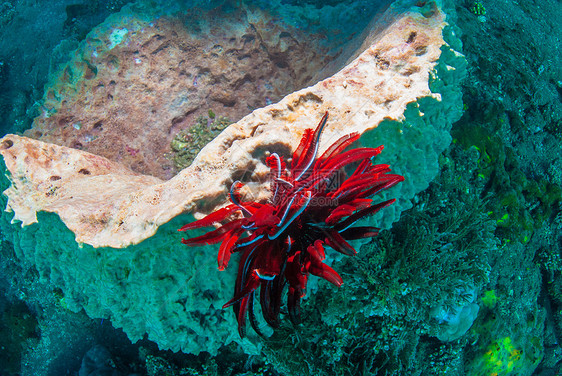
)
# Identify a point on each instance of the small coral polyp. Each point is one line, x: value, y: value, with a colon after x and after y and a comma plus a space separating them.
x: 282, y: 241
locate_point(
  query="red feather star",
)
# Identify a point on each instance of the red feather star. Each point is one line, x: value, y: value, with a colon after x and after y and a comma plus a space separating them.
x: 282, y: 241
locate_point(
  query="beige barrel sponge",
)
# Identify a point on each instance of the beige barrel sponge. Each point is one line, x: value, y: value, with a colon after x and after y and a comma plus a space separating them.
x: 105, y: 204
x: 106, y: 234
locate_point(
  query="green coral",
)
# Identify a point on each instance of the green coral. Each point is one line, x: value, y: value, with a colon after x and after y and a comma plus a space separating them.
x: 477, y: 8
x: 518, y: 353
x: 188, y: 142
x: 489, y: 299
x: 501, y: 357
x: 520, y: 205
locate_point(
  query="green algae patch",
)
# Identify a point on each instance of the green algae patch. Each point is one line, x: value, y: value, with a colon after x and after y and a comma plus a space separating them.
x: 188, y: 142
x: 520, y: 204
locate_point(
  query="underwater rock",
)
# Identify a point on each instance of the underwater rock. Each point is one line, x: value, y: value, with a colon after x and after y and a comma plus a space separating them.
x: 396, y: 83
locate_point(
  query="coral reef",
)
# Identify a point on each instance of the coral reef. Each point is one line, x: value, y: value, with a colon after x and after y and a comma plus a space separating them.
x: 522, y: 204
x: 435, y: 259
x: 468, y: 282
x: 114, y: 251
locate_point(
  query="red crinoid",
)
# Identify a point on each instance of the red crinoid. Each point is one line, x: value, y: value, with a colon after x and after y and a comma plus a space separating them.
x: 282, y: 240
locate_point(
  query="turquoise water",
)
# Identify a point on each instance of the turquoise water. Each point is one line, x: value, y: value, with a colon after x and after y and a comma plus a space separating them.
x: 467, y: 282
